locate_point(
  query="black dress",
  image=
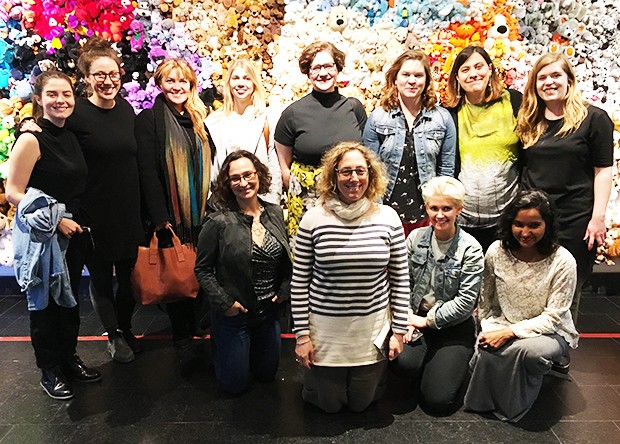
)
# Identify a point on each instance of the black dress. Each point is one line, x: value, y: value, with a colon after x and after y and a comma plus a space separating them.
x: 61, y: 173
x: 563, y: 167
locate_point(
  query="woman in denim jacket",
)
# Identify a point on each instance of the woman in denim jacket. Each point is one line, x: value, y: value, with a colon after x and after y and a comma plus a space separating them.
x: 414, y: 137
x: 445, y: 270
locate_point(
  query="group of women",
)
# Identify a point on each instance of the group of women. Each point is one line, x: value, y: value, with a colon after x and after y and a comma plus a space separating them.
x: 371, y: 282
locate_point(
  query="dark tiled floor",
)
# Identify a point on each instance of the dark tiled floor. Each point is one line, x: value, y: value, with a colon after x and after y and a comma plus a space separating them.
x: 152, y: 401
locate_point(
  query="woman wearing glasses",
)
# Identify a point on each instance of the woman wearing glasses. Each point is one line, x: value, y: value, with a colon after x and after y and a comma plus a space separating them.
x: 244, y: 267
x: 312, y: 125
x: 175, y: 153
x: 110, y: 204
x: 415, y: 138
x: 350, y: 283
x: 245, y: 107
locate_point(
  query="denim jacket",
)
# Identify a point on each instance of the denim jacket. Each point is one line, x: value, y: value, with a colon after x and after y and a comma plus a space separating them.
x: 434, y: 137
x: 458, y: 276
x: 40, y: 266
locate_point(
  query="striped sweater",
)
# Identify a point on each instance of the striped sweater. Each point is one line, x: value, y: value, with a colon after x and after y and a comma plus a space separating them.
x: 350, y: 278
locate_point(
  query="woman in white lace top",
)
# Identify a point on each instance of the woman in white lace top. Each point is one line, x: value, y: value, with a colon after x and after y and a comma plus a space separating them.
x: 527, y: 290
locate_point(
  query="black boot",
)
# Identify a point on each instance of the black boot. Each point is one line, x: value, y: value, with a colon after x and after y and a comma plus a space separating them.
x: 53, y: 383
x: 75, y: 369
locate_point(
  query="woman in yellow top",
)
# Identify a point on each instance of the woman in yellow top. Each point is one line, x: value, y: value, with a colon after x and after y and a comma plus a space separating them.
x: 488, y: 147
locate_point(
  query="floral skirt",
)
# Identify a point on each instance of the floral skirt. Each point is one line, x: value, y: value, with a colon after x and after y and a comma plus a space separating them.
x: 301, y: 195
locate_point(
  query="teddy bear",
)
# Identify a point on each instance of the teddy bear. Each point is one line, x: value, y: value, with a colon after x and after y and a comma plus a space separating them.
x: 338, y: 18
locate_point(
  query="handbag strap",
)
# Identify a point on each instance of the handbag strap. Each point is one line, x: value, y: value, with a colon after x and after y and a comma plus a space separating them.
x: 176, y: 243
x: 265, y: 136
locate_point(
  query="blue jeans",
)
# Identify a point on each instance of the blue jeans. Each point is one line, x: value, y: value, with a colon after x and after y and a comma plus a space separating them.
x: 241, y: 348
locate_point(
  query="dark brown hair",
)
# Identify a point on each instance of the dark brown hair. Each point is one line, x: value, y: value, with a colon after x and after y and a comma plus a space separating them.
x: 310, y: 52
x: 494, y: 88
x: 39, y: 86
x: 94, y: 48
x: 222, y: 194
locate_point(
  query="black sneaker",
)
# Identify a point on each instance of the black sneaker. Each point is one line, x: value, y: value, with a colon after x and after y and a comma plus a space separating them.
x: 133, y: 342
x: 53, y: 383
x: 77, y: 371
x: 562, y: 365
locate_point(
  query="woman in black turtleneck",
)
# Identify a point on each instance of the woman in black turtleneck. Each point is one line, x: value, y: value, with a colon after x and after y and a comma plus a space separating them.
x: 312, y: 125
x: 175, y: 153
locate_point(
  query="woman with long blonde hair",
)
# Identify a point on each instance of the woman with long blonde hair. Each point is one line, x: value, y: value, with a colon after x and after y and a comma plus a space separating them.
x: 568, y: 154
x: 243, y: 122
x: 175, y: 153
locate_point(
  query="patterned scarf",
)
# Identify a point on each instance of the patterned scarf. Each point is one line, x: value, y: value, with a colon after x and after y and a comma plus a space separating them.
x: 188, y: 165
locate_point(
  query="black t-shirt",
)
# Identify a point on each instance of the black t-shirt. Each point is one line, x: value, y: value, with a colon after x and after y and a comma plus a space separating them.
x: 61, y: 170
x: 317, y: 122
x: 563, y: 167
x: 110, y: 204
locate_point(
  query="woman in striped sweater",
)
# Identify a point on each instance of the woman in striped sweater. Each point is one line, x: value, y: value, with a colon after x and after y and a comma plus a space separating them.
x: 350, y: 283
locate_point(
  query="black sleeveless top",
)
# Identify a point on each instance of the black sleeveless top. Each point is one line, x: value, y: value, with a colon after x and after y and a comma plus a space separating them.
x: 61, y: 171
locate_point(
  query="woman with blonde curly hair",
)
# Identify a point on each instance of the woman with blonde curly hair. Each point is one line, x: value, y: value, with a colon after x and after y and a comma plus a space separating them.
x: 488, y: 148
x: 569, y: 155
x: 415, y: 138
x: 244, y: 107
x: 350, y: 283
x: 175, y: 153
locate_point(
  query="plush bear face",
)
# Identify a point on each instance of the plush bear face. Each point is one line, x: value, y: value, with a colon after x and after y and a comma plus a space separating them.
x: 338, y: 19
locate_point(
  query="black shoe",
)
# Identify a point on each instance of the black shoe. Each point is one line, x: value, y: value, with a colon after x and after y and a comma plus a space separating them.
x: 133, y: 342
x: 76, y: 370
x: 562, y: 365
x: 54, y: 384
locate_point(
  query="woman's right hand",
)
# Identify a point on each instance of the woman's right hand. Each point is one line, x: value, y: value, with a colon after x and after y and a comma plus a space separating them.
x: 304, y: 351
x: 235, y: 309
x: 286, y: 178
x: 29, y: 126
x: 68, y: 227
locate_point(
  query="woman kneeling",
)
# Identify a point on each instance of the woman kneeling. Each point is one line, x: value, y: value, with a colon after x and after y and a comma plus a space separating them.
x: 528, y: 286
x: 445, y: 266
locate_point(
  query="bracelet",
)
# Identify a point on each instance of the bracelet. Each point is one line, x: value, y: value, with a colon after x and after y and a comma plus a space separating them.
x: 302, y: 343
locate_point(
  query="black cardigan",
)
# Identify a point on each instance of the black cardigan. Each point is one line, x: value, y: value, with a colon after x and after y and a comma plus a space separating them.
x: 150, y: 134
x: 515, y: 100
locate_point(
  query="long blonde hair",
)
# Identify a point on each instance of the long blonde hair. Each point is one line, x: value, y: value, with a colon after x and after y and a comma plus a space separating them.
x: 194, y: 106
x: 531, y: 124
x: 259, y: 94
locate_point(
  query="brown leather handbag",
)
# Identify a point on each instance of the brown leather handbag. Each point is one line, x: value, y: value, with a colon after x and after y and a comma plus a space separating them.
x: 164, y: 274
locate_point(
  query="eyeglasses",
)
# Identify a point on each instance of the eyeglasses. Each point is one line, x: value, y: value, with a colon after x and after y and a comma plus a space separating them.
x: 236, y: 180
x: 361, y: 172
x: 329, y: 67
x: 101, y: 76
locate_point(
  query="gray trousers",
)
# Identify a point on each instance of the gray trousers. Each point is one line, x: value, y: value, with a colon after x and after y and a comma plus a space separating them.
x: 331, y: 388
x: 506, y: 382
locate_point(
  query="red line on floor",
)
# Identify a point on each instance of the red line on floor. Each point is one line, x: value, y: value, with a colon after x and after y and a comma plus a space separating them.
x: 284, y: 336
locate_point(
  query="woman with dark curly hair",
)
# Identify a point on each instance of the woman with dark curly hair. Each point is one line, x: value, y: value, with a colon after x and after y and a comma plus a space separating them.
x: 244, y: 267
x: 312, y: 125
x: 527, y: 290
x: 415, y: 137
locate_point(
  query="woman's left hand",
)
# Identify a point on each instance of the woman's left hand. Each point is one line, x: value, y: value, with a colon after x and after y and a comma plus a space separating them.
x: 596, y: 231
x: 396, y: 346
x: 495, y: 339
